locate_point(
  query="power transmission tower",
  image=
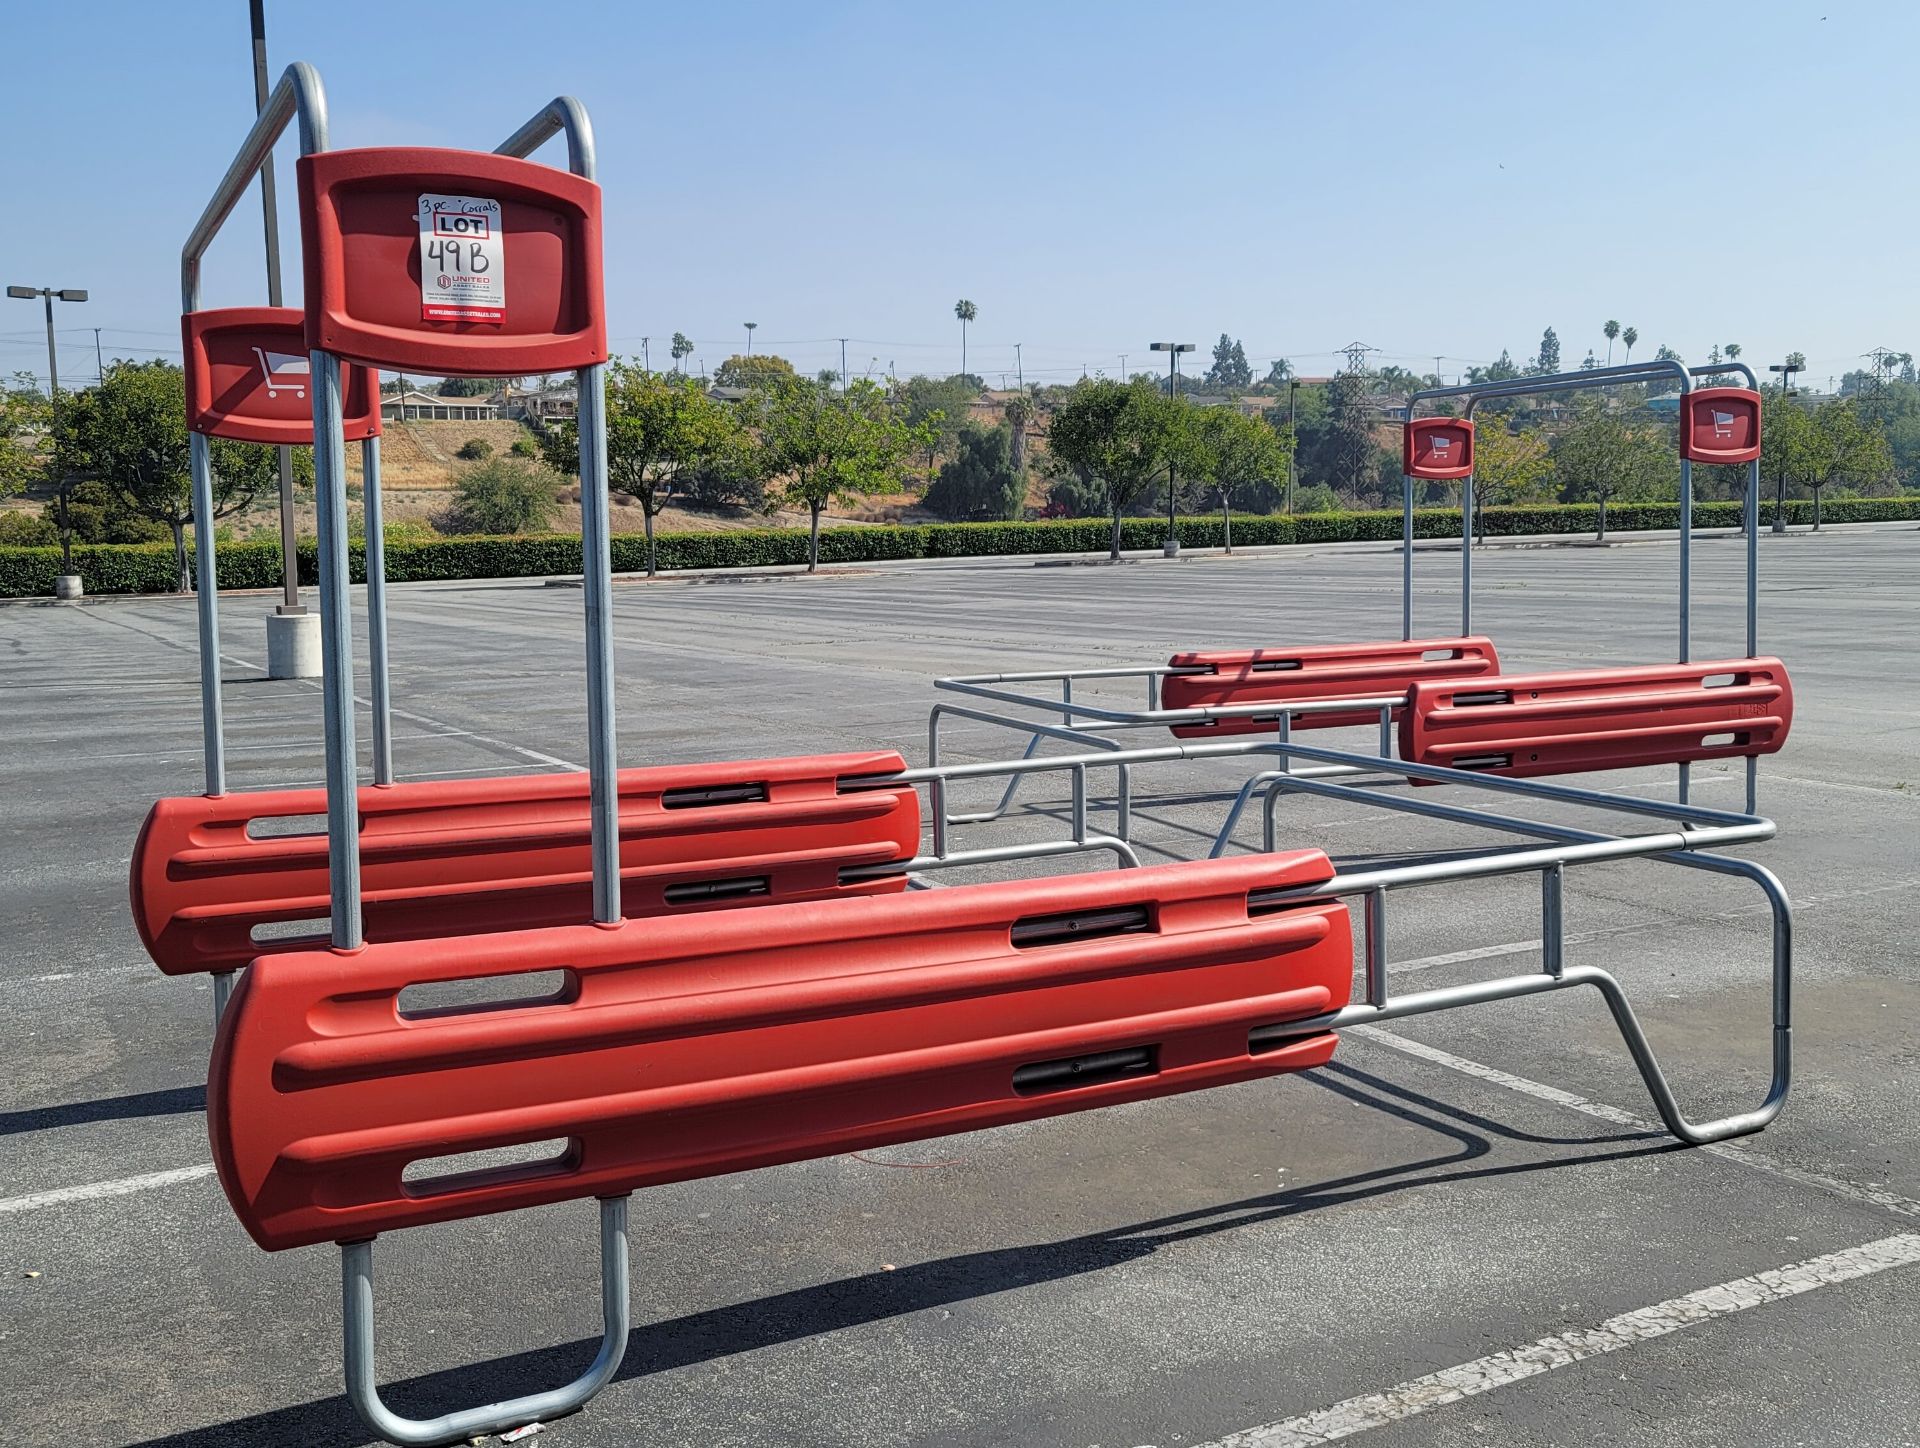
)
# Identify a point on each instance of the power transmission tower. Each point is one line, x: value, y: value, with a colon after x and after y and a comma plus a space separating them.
x: 1356, y: 355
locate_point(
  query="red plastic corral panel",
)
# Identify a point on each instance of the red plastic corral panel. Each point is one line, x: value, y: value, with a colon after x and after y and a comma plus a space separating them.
x: 1590, y: 719
x: 1320, y: 671
x: 460, y: 857
x: 513, y: 286
x: 685, y: 1047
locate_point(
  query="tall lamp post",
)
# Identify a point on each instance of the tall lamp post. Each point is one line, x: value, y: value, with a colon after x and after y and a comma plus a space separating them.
x: 67, y: 585
x: 1787, y: 390
x: 1171, y: 548
x: 1293, y: 439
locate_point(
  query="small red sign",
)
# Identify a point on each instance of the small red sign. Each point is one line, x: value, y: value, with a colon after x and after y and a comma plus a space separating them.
x: 1437, y: 447
x: 1720, y: 425
x: 248, y: 378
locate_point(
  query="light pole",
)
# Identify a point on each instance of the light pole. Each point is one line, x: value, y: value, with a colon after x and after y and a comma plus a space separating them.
x: 1019, y: 369
x: 1171, y: 548
x: 1293, y: 439
x: 1786, y: 371
x: 749, y: 326
x: 67, y: 585
x: 289, y: 605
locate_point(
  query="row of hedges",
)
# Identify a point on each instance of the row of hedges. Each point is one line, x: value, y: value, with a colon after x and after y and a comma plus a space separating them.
x: 149, y: 567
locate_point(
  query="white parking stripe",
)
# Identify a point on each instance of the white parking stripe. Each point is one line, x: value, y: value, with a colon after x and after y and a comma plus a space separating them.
x: 1483, y: 1375
x: 121, y: 1187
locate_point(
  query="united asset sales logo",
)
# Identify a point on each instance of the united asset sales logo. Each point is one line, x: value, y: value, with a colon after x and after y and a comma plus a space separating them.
x: 445, y: 281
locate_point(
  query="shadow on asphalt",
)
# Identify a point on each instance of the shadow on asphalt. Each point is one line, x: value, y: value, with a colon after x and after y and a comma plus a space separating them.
x: 178, y: 1100
x: 766, y: 1322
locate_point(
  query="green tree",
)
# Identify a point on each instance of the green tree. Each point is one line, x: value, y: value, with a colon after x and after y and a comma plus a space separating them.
x: 661, y: 427
x: 1510, y: 465
x: 27, y: 454
x: 1279, y: 371
x: 471, y: 386
x: 1629, y: 336
x: 1610, y: 331
x: 1230, y: 370
x: 681, y: 349
x: 1600, y: 458
x: 981, y: 483
x: 1663, y: 385
x: 1813, y: 448
x: 1114, y: 438
x: 1019, y: 411
x: 1502, y: 370
x: 474, y: 450
x: 130, y: 432
x: 967, y: 312
x: 940, y: 404
x: 26, y: 414
x: 505, y: 495
x: 1547, y: 360
x: 760, y: 369
x: 828, y: 446
x: 1235, y: 455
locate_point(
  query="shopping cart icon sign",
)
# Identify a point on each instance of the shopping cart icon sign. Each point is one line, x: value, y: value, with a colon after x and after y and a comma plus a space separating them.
x: 1441, y: 446
x: 280, y: 368
x: 1722, y: 424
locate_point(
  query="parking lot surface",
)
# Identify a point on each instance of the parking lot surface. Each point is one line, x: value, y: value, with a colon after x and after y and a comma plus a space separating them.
x: 1463, y: 1231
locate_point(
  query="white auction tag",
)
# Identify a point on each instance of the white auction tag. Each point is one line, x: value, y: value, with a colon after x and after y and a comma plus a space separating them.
x: 463, y: 260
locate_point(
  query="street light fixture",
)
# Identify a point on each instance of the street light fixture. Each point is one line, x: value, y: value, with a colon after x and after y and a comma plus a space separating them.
x: 67, y: 585
x: 1787, y: 389
x: 1171, y: 548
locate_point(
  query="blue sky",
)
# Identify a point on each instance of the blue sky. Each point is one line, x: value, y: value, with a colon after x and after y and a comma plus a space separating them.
x: 1429, y: 179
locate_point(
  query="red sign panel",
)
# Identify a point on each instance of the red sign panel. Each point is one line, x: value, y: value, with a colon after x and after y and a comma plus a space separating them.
x: 454, y: 263
x: 247, y: 378
x: 1437, y: 447
x: 1720, y: 425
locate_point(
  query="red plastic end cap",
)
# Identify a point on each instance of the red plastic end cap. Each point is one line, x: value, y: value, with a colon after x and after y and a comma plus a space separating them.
x: 1437, y: 447
x: 1720, y: 425
x: 512, y: 248
x: 247, y: 378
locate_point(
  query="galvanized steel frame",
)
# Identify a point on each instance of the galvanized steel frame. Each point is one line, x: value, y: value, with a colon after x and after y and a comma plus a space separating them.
x: 299, y: 93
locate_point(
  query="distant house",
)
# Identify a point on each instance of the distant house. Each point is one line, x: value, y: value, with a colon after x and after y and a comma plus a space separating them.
x: 431, y: 407
x: 539, y: 407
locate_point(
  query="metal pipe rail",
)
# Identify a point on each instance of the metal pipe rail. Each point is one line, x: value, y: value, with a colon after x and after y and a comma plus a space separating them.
x: 1478, y: 392
x: 1150, y: 717
x: 1575, y: 847
x: 1566, y: 846
x: 299, y: 96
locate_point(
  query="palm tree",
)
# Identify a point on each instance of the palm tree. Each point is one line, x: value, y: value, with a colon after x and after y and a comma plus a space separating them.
x: 681, y: 349
x: 1733, y: 351
x: 1019, y: 412
x: 966, y: 311
x: 1630, y: 335
x: 1610, y: 331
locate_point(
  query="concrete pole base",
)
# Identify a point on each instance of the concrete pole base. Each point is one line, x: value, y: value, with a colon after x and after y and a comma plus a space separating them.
x: 1170, y: 548
x: 293, y: 646
x: 69, y: 586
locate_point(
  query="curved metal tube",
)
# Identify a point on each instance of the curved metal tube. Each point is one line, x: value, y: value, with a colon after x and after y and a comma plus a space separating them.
x: 356, y: 1280
x: 1037, y: 730
x: 562, y: 113
x: 299, y: 94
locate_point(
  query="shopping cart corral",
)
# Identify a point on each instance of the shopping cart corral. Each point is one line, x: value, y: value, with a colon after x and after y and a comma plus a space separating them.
x: 1313, y: 684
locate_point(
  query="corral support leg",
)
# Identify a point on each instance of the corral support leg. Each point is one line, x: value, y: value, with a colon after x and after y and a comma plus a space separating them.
x: 356, y: 1284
